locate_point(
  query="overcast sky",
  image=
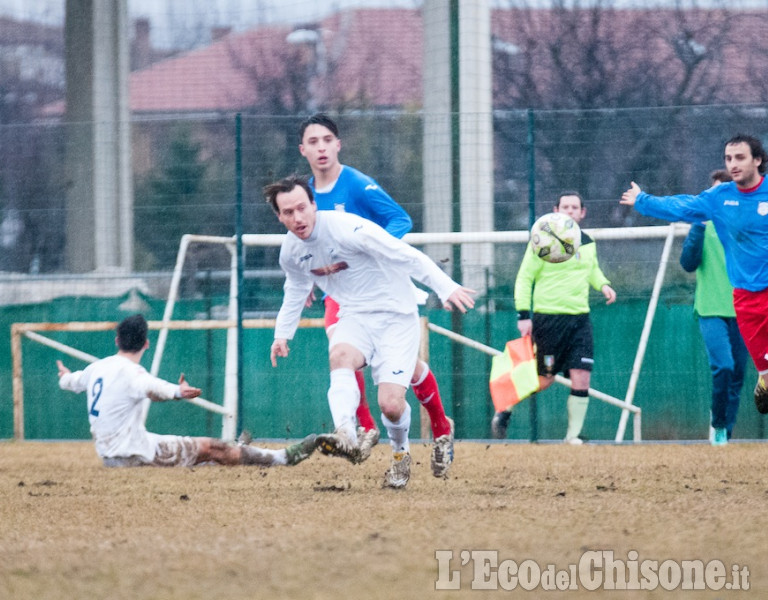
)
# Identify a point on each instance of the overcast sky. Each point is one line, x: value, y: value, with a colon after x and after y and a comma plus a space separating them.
x: 226, y: 11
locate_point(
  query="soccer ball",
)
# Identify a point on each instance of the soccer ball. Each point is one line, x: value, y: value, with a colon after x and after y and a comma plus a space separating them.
x: 555, y: 237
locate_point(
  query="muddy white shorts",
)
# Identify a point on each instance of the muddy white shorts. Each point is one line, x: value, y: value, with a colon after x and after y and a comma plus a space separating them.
x: 170, y: 451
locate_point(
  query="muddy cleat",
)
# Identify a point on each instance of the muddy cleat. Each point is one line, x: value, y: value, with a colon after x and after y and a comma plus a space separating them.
x: 442, y: 453
x: 367, y: 439
x: 761, y: 396
x: 399, y: 472
x: 244, y: 438
x: 302, y: 451
x: 338, y: 444
x: 499, y: 425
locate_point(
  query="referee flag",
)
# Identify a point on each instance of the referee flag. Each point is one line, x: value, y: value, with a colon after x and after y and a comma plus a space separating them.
x: 514, y: 376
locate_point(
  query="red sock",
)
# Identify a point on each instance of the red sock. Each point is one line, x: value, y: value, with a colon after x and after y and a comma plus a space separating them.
x: 364, y: 416
x: 428, y: 394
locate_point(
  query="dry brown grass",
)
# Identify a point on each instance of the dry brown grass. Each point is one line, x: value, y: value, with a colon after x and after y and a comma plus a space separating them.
x: 70, y: 528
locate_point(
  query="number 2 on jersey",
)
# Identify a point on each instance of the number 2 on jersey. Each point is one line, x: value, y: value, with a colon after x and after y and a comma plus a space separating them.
x: 98, y: 385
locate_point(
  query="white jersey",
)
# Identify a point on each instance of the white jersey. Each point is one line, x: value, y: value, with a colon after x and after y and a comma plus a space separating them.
x: 359, y: 265
x: 116, y: 388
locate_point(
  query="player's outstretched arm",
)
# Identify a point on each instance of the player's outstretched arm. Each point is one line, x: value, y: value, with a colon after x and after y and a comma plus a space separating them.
x: 630, y: 196
x: 461, y: 298
x: 279, y: 348
x: 186, y: 391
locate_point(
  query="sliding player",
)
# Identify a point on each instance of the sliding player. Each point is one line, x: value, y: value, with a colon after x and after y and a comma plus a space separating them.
x: 117, y: 386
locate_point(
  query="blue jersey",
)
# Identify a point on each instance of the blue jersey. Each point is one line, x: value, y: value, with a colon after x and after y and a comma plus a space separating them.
x: 356, y: 193
x: 740, y: 218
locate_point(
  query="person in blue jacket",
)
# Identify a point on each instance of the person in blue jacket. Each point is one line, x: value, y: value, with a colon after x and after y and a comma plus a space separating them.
x: 713, y: 307
x: 739, y: 213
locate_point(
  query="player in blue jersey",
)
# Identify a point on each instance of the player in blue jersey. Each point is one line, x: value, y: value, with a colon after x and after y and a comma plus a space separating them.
x: 739, y: 212
x: 343, y: 188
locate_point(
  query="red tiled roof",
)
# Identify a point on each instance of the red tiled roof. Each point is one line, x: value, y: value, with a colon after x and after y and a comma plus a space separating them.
x: 208, y: 79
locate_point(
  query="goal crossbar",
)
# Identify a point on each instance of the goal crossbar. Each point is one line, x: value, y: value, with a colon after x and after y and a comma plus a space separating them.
x: 667, y: 232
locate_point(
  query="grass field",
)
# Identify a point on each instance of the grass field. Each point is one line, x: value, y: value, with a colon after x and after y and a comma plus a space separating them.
x: 72, y: 529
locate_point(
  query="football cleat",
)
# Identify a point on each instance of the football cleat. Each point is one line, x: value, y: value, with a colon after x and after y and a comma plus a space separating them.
x: 367, y: 439
x: 338, y: 444
x: 442, y: 453
x: 399, y: 472
x: 302, y: 451
x: 577, y: 441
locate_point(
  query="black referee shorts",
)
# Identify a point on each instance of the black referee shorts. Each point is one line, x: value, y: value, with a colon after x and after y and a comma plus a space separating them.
x: 563, y: 342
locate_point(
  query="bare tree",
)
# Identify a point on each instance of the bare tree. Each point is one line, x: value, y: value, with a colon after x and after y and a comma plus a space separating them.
x: 574, y: 60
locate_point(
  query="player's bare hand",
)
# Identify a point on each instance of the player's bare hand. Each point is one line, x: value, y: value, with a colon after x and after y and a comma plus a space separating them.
x: 279, y: 348
x: 630, y: 195
x: 186, y: 390
x: 461, y: 298
x: 62, y: 369
x: 310, y: 299
x: 525, y: 327
x: 609, y: 293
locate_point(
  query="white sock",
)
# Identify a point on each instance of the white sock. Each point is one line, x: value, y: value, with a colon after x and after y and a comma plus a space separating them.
x: 577, y: 411
x: 343, y: 398
x: 398, y: 432
x: 250, y: 455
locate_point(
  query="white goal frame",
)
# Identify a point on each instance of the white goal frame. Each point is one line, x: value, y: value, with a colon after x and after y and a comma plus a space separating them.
x: 666, y: 232
x: 229, y: 408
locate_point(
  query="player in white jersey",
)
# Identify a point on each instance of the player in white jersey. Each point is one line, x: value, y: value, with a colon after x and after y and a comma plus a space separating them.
x: 340, y: 187
x: 368, y: 272
x: 116, y: 387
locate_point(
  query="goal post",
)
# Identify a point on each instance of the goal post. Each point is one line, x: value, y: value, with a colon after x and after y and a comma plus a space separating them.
x: 228, y: 409
x: 664, y: 232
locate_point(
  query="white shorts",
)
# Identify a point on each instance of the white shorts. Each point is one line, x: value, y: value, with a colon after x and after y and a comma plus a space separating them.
x: 388, y: 341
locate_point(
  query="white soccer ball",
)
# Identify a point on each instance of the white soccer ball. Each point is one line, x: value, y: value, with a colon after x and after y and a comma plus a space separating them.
x: 555, y: 237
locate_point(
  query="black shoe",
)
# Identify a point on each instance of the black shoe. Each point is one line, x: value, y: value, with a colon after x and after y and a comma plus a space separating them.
x: 499, y: 425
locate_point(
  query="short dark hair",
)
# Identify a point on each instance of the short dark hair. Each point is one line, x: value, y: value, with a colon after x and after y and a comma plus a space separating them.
x: 720, y: 176
x: 285, y: 185
x: 570, y: 193
x: 132, y: 333
x: 318, y: 119
x: 755, y: 147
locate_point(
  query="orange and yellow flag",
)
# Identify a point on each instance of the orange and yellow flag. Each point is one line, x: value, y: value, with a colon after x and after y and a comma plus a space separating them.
x: 514, y: 376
